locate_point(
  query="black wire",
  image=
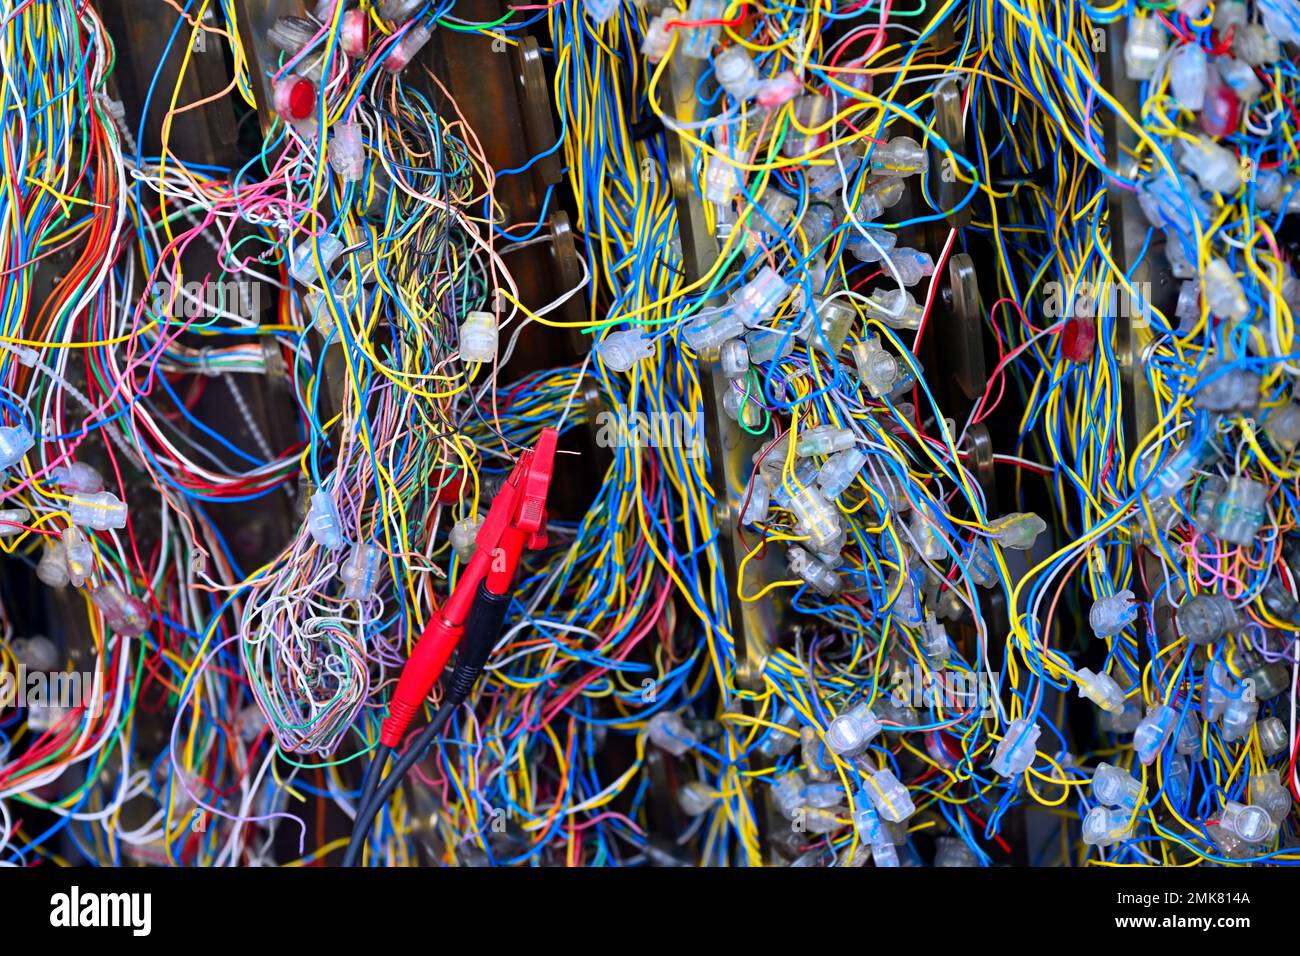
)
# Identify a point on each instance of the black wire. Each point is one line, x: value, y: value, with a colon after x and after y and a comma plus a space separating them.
x: 369, y: 786
x: 370, y: 806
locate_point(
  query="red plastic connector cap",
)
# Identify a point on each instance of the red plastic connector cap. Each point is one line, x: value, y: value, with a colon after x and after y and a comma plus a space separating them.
x: 1221, y: 114
x: 448, y: 485
x: 354, y: 34
x: 1078, y: 339
x: 295, y: 97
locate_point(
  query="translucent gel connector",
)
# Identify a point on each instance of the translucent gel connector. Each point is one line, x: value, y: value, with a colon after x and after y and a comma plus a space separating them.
x: 1174, y: 475
x: 1187, y: 75
x: 1268, y: 792
x: 1249, y: 824
x: 757, y: 301
x: 1239, y: 77
x: 1104, y: 826
x: 291, y: 34
x: 696, y: 799
x: 697, y: 43
x: 52, y: 569
x: 1227, y: 391
x: 478, y: 337
x: 840, y: 471
x: 1188, y: 308
x: 878, y: 369
x: 877, y: 198
x: 102, y: 511
x: 78, y: 556
x: 909, y: 266
x: 787, y: 795
x: 781, y: 89
x: 1017, y: 531
x: 870, y: 828
x: 600, y: 11
x: 1215, y: 167
x: 1282, y: 426
x: 776, y: 743
x: 1101, y: 689
x: 833, y: 317
x: 1178, y: 780
x: 823, y: 440
x: 621, y: 351
x: 668, y: 732
x: 1255, y: 46
x: 294, y: 98
x: 1281, y: 18
x: 404, y: 51
x: 768, y: 346
x: 896, y: 308
x: 710, y: 331
x: 1110, y: 615
x: 1113, y: 787
x: 1144, y: 47
x: 347, y: 155
x: 927, y: 538
x: 1239, y: 717
x: 759, y: 505
x: 818, y: 223
x: 1218, y: 683
x: 980, y: 564
x: 303, y: 268
x: 733, y: 359
x: 811, y: 110
x: 36, y: 654
x: 1222, y: 290
x: 934, y: 642
x: 1205, y: 618
x: 823, y: 796
x: 15, y: 442
x: 1016, y: 750
x: 323, y: 523
x: 77, y: 477
x: 740, y: 407
x: 12, y: 521
x: 399, y: 11
x: 1125, y: 722
x: 870, y: 245
x: 360, y: 572
x: 906, y: 608
x: 815, y: 574
x: 889, y: 796
x: 816, y: 760
x: 826, y: 177
x: 463, y: 537
x: 124, y: 613
x: 721, y: 180
x: 657, y: 38
x: 805, y: 475
x: 952, y: 852
x: 901, y: 156
x: 1153, y: 733
x: 1273, y: 736
x: 1241, y: 511
x: 354, y: 34
x: 852, y: 731
x: 736, y: 72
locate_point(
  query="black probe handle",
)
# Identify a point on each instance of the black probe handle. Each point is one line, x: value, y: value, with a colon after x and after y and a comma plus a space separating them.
x: 482, y: 629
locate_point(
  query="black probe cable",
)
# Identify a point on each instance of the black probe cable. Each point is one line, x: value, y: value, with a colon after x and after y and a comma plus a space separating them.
x: 481, y: 633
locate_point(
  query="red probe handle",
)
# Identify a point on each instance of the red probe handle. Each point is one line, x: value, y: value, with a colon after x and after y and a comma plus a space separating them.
x: 422, y: 670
